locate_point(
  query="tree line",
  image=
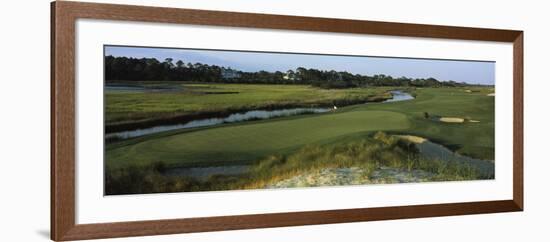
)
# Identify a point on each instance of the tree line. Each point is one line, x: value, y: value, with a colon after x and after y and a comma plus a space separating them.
x: 151, y: 69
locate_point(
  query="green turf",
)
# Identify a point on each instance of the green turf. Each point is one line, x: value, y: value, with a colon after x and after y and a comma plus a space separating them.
x: 250, y: 141
x: 472, y: 139
x: 366, y: 155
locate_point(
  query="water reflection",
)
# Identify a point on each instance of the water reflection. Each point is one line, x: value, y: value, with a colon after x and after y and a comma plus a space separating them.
x: 233, y: 118
x: 238, y: 117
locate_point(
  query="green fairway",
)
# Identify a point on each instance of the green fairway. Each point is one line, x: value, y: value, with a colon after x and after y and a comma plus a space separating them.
x: 251, y: 141
x: 469, y: 138
x: 188, y: 120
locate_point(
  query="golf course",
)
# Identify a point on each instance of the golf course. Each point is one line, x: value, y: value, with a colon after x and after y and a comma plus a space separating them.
x: 198, y: 120
x: 360, y: 132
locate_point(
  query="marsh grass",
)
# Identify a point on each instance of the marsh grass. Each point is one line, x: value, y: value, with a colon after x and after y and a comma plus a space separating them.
x: 138, y: 107
x: 368, y: 153
x: 147, y: 179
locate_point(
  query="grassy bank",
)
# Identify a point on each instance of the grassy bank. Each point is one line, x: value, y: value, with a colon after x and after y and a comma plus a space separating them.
x: 369, y: 153
x: 247, y: 142
x: 176, y: 100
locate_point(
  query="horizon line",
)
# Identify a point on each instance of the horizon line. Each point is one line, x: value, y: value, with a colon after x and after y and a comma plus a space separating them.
x: 233, y: 62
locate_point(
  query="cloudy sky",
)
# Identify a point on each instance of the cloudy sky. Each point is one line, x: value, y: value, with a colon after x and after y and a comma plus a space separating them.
x: 476, y: 72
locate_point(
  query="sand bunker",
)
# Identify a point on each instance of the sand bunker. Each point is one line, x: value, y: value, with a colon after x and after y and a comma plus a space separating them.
x: 468, y: 91
x: 451, y: 120
x: 412, y: 138
x: 456, y: 120
x: 491, y: 94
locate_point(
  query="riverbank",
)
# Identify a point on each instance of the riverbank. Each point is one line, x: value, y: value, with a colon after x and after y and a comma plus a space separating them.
x: 373, y: 159
x: 145, y: 106
x: 250, y: 115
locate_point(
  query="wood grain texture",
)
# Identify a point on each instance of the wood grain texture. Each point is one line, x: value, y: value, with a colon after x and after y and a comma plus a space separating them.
x: 63, y: 123
x: 268, y: 21
x: 158, y: 227
x: 64, y: 16
x: 518, y: 120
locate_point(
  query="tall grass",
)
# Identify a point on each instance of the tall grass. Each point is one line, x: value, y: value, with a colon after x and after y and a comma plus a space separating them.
x: 137, y: 107
x: 368, y: 153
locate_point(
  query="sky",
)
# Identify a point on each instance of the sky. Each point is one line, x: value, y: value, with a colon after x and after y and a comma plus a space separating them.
x: 473, y: 72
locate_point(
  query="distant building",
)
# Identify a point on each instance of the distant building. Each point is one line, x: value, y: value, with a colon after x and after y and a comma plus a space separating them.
x: 290, y: 75
x: 228, y: 73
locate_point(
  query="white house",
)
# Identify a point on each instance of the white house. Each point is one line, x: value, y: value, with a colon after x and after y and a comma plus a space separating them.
x: 228, y: 73
x: 290, y: 75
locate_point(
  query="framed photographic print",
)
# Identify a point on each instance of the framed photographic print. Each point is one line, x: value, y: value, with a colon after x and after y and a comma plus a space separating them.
x: 172, y: 120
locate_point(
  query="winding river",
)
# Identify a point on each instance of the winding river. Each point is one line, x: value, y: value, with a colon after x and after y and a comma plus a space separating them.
x: 427, y: 148
x: 398, y: 96
x: 203, y: 173
x: 239, y: 117
x: 233, y: 118
x: 431, y: 150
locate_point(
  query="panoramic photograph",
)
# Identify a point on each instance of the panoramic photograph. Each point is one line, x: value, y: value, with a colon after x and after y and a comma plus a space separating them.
x: 192, y: 120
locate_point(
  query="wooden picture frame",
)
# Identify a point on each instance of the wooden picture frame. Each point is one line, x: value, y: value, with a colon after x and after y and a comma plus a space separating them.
x: 63, y: 17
